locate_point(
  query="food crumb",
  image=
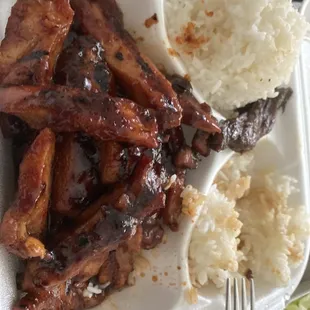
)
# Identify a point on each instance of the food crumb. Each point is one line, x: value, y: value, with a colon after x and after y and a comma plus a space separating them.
x: 190, y: 39
x: 139, y: 39
x: 165, y: 239
x: 142, y: 274
x: 191, y: 296
x: 131, y: 279
x: 189, y: 211
x: 173, y: 52
x: 184, y: 283
x: 249, y: 274
x: 149, y: 22
x: 141, y: 263
x: 154, y: 278
x: 179, y: 268
x: 187, y: 77
x: 166, y: 273
x: 210, y: 14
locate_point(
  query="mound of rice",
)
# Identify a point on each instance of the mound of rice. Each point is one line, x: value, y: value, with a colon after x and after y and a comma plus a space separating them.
x: 213, y: 249
x: 246, y: 223
x: 236, y: 51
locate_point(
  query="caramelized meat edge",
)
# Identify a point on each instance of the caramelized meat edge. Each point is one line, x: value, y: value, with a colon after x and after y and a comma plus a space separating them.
x: 65, y: 109
x: 33, y: 39
x: 24, y: 224
x: 138, y: 75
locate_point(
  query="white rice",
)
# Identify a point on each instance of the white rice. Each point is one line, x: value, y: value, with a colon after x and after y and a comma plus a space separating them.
x: 253, y: 229
x: 213, y: 249
x: 92, y: 290
x: 242, y: 50
x: 172, y: 179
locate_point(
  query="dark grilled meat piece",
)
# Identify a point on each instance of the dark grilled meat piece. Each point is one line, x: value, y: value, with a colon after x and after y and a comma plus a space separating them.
x: 153, y: 232
x: 111, y: 162
x: 141, y: 195
x: 203, y: 142
x: 185, y: 158
x: 200, y: 143
x: 172, y: 210
x: 182, y: 155
x: 24, y: 224
x: 254, y: 121
x: 117, y: 267
x: 73, y: 254
x: 145, y: 188
x: 242, y: 132
x: 21, y: 134
x: 66, y: 109
x: 194, y: 114
x: 117, y: 161
x: 82, y: 64
x: 107, y: 271
x: 141, y: 79
x: 34, y: 37
x: 60, y: 298
x: 76, y: 181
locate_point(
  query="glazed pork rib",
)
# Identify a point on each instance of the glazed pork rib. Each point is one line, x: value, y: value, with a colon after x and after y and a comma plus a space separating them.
x: 141, y: 79
x: 33, y: 39
x: 24, y: 224
x: 66, y: 109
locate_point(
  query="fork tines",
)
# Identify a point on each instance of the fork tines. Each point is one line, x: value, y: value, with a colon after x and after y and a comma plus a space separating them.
x: 232, y: 295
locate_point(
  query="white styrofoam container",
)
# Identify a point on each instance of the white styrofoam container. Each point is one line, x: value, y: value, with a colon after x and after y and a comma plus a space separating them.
x: 286, y: 149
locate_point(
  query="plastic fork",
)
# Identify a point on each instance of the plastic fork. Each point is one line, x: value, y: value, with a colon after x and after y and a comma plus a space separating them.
x: 233, y: 301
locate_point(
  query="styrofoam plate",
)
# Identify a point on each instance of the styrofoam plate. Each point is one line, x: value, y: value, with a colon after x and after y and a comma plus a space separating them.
x: 166, y: 280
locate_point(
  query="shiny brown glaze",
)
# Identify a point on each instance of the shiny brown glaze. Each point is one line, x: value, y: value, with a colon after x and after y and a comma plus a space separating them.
x: 153, y: 232
x: 185, y: 158
x: 111, y: 162
x: 200, y: 143
x: 65, y: 109
x: 141, y: 195
x: 255, y: 120
x: 141, y: 79
x: 58, y: 299
x: 33, y: 39
x: 76, y: 177
x: 116, y: 268
x: 194, y: 114
x: 21, y: 135
x: 73, y: 254
x: 82, y: 64
x: 24, y: 224
x: 172, y: 210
